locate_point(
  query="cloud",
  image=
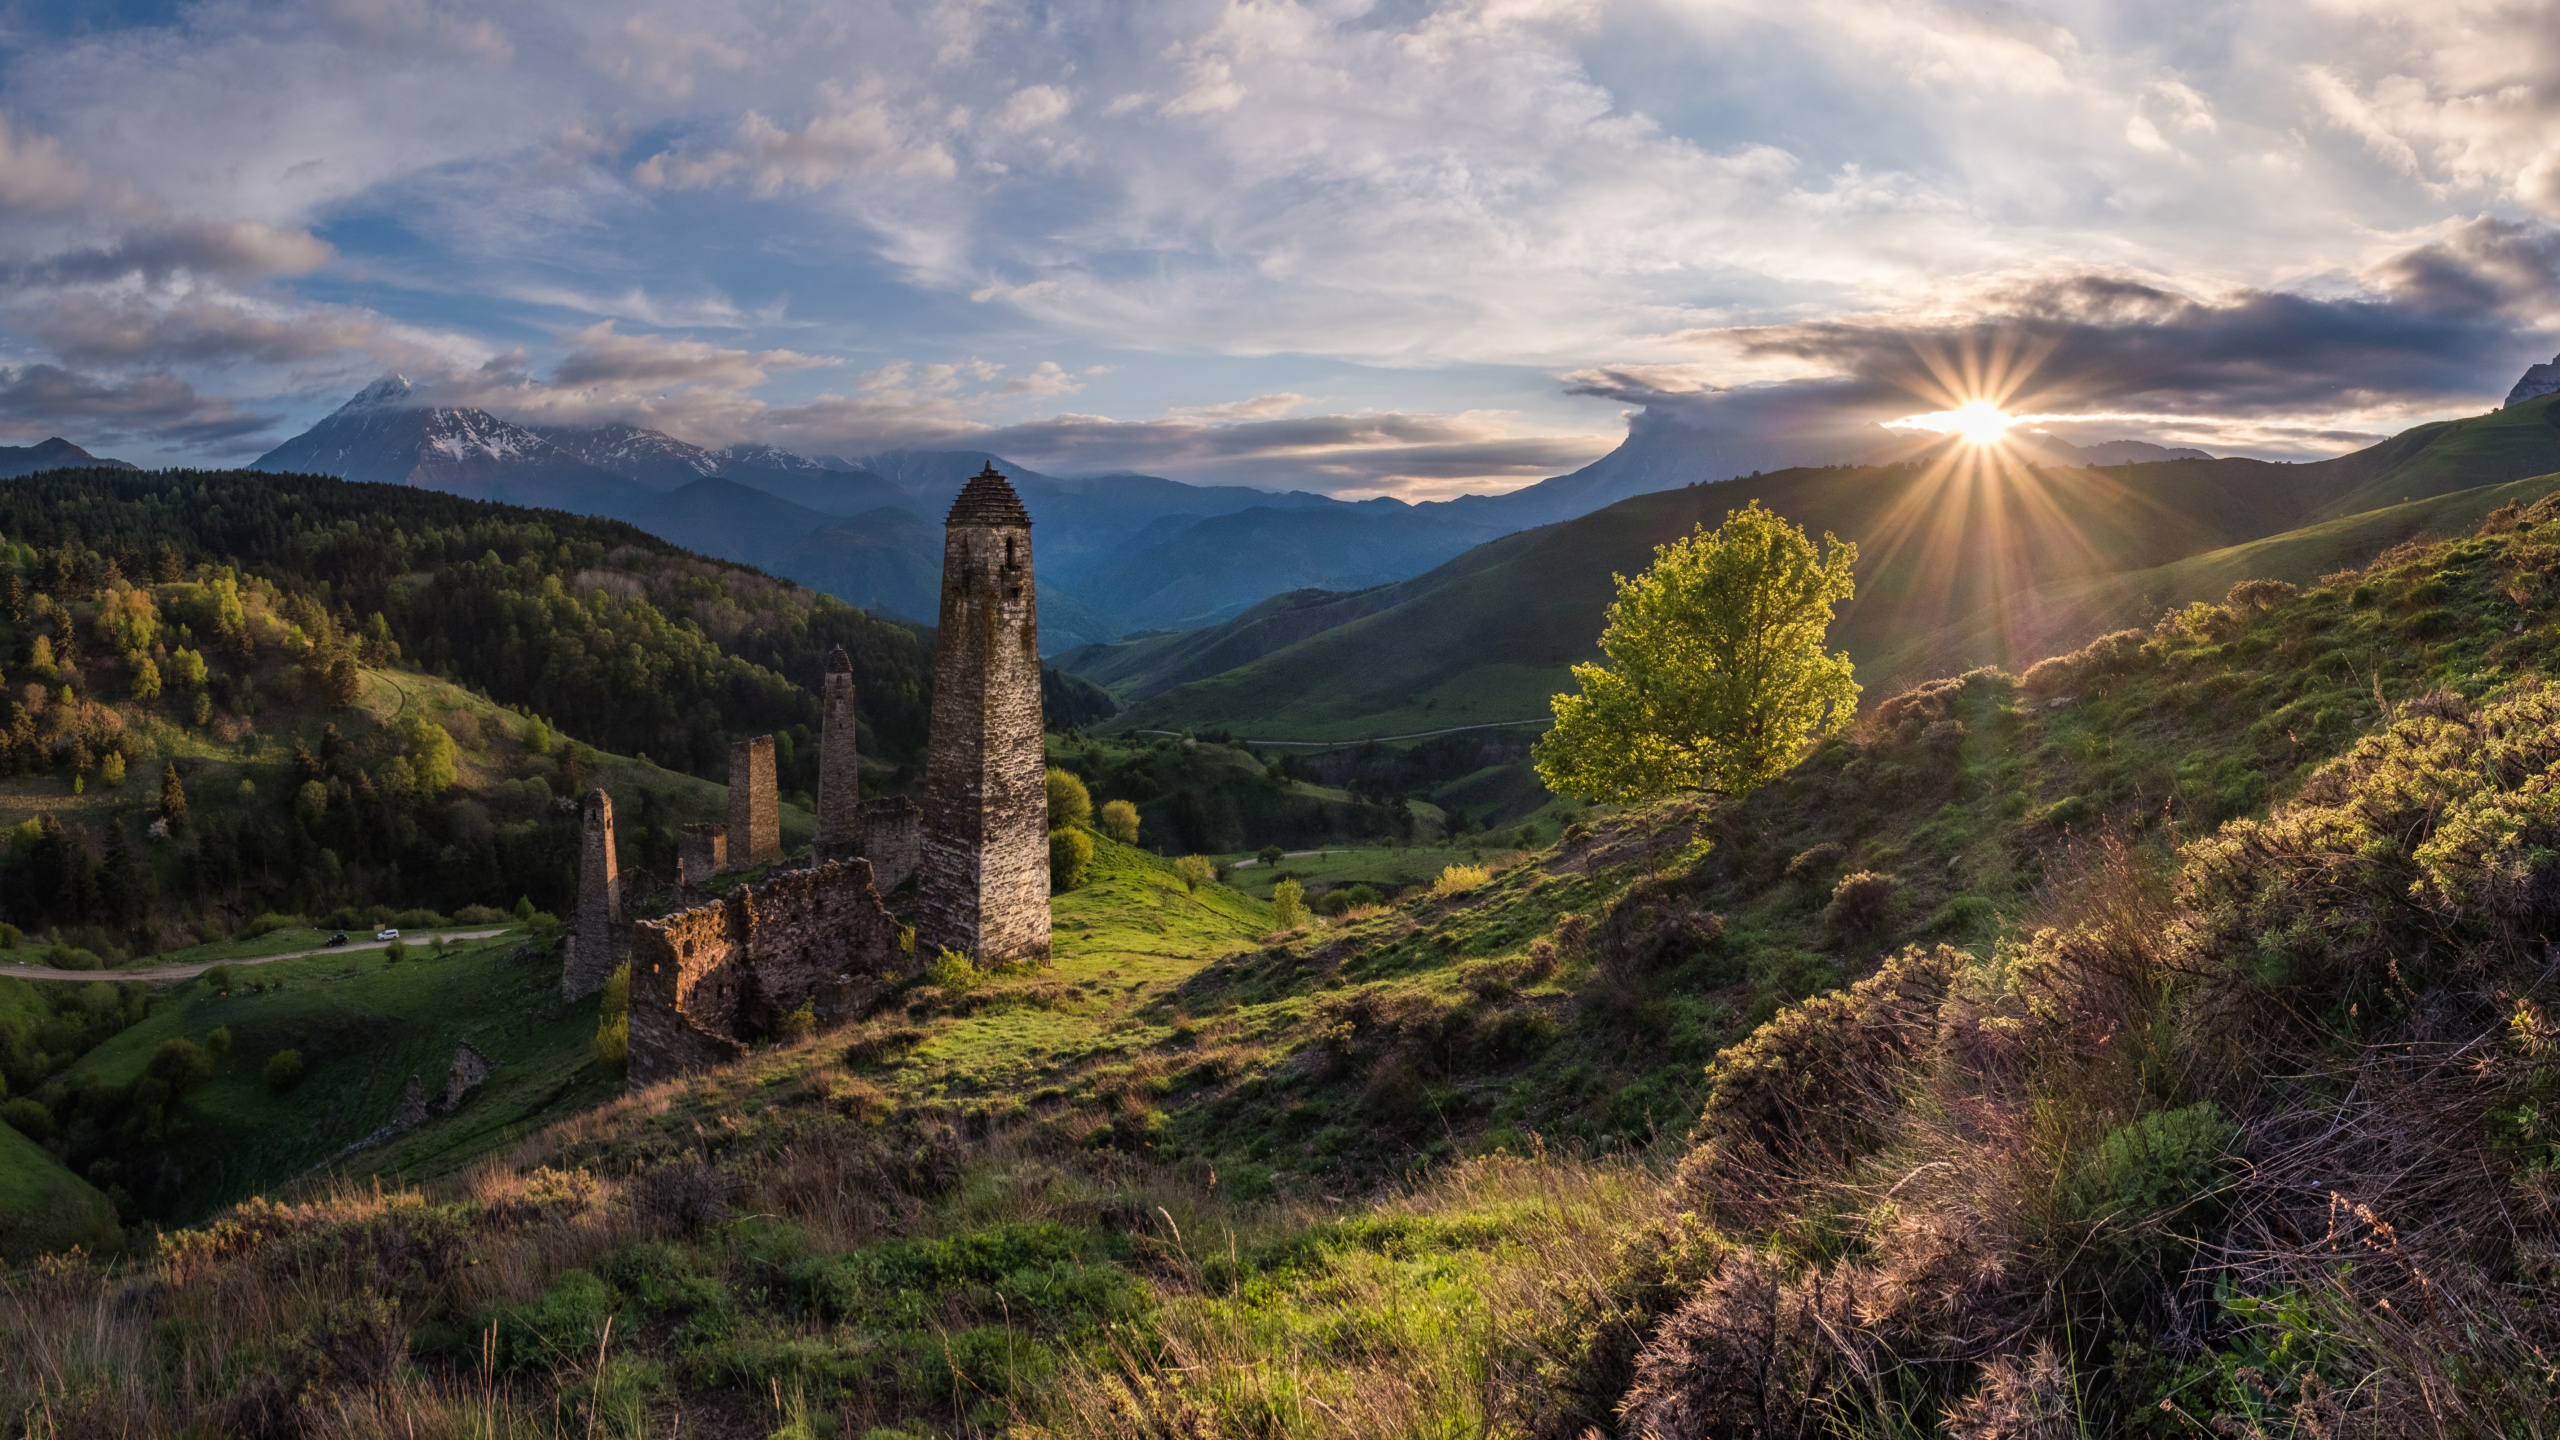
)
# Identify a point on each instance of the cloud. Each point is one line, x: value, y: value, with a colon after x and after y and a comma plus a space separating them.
x: 37, y: 175
x: 91, y: 330
x: 858, y: 134
x: 1414, y: 455
x: 40, y: 400
x: 235, y: 250
x: 2443, y: 325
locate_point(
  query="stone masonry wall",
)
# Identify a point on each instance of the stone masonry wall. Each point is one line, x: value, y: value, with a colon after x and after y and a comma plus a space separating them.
x: 839, y: 767
x: 595, y: 948
x: 755, y: 808
x: 985, y: 852
x: 892, y: 839
x: 707, y: 979
x: 702, y: 851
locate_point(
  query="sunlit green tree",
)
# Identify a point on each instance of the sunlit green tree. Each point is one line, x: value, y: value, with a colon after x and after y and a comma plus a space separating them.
x: 1714, y: 674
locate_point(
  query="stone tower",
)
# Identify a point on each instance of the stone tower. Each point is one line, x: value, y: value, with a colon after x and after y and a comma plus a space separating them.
x: 985, y: 861
x: 755, y: 809
x: 839, y: 772
x: 592, y: 950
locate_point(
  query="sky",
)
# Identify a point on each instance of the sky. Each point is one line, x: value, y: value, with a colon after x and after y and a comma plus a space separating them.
x: 1403, y: 247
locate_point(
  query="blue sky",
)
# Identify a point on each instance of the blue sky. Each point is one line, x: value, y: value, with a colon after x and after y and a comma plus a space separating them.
x: 1405, y: 247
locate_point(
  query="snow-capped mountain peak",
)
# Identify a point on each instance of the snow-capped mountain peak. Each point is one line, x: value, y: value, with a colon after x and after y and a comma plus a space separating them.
x: 391, y: 391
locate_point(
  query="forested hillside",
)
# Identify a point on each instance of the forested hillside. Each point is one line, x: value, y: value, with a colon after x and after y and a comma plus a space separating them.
x: 616, y: 636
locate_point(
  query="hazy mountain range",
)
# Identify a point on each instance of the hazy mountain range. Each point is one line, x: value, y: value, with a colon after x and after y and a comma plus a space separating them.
x: 1118, y: 554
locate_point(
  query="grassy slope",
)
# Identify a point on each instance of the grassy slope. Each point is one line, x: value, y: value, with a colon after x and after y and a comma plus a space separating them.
x: 42, y: 1205
x: 2435, y: 460
x: 1168, y: 1130
x: 2057, y: 615
x: 45, y: 1207
x: 363, y: 1025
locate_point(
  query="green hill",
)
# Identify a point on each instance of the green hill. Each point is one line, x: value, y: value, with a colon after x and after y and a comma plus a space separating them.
x: 1610, y: 1125
x: 363, y: 1024
x: 1957, y: 568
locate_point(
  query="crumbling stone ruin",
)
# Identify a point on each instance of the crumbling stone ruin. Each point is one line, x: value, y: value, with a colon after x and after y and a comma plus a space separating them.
x: 595, y: 947
x: 839, y: 766
x: 884, y: 832
x: 707, y: 979
x: 755, y: 808
x: 985, y: 886
x: 702, y: 851
x: 892, y: 839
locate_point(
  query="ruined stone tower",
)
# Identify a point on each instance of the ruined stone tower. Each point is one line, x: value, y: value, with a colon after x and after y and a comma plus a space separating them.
x: 839, y: 772
x: 755, y: 810
x: 985, y: 861
x: 594, y: 949
x: 702, y: 851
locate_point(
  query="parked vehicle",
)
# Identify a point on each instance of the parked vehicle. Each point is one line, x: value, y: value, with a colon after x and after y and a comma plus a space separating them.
x: 338, y: 939
x: 386, y: 934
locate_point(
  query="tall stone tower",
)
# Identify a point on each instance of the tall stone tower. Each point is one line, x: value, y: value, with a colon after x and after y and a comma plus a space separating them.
x: 839, y: 767
x: 755, y: 807
x: 985, y: 886
x: 593, y: 951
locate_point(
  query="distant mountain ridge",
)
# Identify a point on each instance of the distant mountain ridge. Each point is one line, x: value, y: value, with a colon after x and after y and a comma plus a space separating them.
x: 1118, y: 553
x: 1980, y: 580
x: 54, y: 454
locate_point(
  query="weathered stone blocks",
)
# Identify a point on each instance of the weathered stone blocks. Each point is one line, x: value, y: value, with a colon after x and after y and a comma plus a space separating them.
x: 705, y: 980
x: 702, y: 851
x: 985, y: 852
x: 755, y: 807
x: 595, y: 947
x: 839, y: 767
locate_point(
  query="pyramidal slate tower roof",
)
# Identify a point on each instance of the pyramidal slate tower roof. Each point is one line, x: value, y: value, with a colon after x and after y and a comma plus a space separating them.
x: 988, y: 500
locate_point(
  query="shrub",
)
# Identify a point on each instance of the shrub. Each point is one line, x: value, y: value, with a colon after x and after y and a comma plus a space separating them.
x: 28, y: 1118
x: 1070, y: 803
x: 1860, y: 902
x: 1344, y: 897
x: 1070, y: 858
x: 395, y: 952
x: 2251, y: 595
x: 1120, y: 822
x: 1459, y: 879
x: 953, y: 971
x: 180, y: 1063
x: 11, y: 937
x: 613, y: 1018
x: 1288, y: 905
x: 284, y: 1071
x: 800, y: 1023
x: 1271, y: 855
x: 1813, y: 864
x: 219, y: 1042
x: 270, y: 923
x: 1194, y: 871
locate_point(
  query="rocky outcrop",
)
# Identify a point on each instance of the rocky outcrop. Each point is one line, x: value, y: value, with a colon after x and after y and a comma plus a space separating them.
x: 2538, y: 381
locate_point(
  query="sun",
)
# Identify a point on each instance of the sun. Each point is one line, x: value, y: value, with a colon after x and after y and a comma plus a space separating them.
x: 1975, y: 422
x: 1978, y: 422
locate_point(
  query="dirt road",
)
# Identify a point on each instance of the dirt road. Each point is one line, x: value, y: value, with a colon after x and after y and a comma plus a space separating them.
x: 189, y: 972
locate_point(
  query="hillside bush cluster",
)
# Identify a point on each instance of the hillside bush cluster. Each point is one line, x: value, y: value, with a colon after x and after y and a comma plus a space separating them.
x: 2112, y: 1147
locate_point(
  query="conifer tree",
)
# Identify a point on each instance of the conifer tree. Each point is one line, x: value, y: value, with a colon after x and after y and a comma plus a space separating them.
x: 173, y: 799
